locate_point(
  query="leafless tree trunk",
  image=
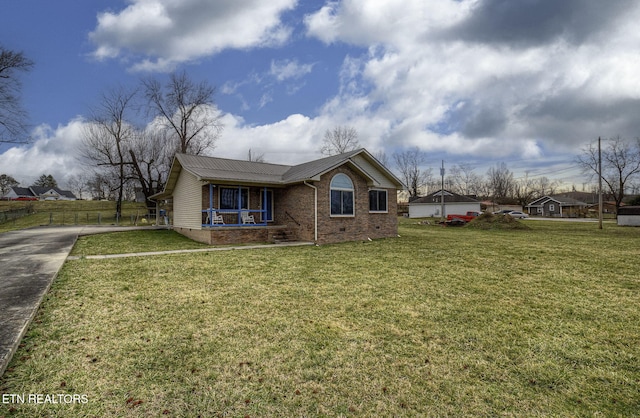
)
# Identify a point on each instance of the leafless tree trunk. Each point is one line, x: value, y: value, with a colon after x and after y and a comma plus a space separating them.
x: 150, y: 161
x: 464, y: 181
x: 408, y: 164
x: 339, y: 140
x: 186, y: 110
x: 620, y: 164
x: 107, y: 138
x: 252, y: 156
x: 500, y: 183
x: 78, y: 184
x: 13, y: 118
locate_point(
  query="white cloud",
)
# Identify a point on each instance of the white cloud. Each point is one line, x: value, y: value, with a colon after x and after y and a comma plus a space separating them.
x: 289, y: 69
x: 444, y: 90
x: 158, y: 34
x: 54, y: 152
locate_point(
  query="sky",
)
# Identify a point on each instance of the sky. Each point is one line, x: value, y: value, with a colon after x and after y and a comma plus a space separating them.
x: 481, y: 82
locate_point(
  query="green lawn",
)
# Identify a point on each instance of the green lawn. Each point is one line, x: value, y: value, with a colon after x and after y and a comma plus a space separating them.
x: 439, y: 322
x: 71, y: 212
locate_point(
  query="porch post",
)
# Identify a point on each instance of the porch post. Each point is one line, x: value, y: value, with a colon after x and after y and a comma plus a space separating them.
x: 264, y: 204
x: 210, y: 204
x: 239, y: 204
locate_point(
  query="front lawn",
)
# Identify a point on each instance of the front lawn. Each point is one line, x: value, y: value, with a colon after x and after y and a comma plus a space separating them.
x: 439, y: 322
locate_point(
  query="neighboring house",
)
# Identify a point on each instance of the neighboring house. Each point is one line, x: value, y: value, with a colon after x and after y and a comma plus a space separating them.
x: 431, y: 205
x: 558, y: 206
x: 345, y: 197
x: 38, y: 193
x: 629, y: 216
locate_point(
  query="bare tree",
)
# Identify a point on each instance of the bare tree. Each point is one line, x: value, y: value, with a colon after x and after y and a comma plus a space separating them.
x: 339, y: 140
x: 500, y: 183
x: 108, y: 135
x: 186, y: 110
x: 463, y: 180
x: 150, y: 160
x: 13, y: 118
x: 546, y: 186
x: 78, y: 183
x: 382, y: 158
x: 620, y: 164
x: 101, y: 185
x: 525, y: 190
x: 408, y: 164
x: 252, y: 156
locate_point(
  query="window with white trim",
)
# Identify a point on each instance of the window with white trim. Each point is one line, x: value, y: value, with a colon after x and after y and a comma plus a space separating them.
x: 341, y: 195
x: 377, y: 200
x: 552, y: 207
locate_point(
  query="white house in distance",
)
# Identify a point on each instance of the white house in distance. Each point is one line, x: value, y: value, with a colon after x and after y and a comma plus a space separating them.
x: 431, y: 205
x: 38, y: 193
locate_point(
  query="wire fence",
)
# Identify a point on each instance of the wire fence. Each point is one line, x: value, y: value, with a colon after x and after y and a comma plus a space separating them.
x: 25, y: 218
x: 13, y: 214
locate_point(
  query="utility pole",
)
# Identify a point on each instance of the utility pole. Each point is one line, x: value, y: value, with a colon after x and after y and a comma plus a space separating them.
x: 442, y: 192
x: 599, y: 184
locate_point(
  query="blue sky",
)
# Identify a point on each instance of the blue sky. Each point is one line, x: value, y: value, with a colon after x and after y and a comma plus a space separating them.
x: 468, y: 81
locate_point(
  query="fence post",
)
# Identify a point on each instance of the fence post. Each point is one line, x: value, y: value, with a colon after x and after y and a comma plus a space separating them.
x: 50, y: 218
x: 99, y: 218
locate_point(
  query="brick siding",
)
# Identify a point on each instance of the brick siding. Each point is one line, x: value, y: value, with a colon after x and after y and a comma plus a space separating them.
x: 293, y: 210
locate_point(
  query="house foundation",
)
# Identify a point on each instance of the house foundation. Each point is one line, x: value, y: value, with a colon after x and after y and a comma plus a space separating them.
x: 237, y: 235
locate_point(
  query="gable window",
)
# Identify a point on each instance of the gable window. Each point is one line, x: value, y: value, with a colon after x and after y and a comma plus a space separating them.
x: 552, y: 207
x: 341, y: 195
x: 377, y: 201
x: 231, y: 197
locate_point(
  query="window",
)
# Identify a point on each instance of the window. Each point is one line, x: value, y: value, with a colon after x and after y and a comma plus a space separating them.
x: 341, y: 196
x: 377, y: 200
x: 552, y: 207
x: 229, y: 198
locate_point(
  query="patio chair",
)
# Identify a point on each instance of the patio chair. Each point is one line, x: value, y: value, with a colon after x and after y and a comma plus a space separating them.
x: 217, y: 219
x: 247, y: 219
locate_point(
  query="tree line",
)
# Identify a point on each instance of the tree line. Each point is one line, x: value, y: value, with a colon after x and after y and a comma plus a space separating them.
x: 620, y: 172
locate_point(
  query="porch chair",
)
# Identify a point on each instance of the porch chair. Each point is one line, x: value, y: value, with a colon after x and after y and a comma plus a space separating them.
x: 217, y: 219
x: 247, y: 219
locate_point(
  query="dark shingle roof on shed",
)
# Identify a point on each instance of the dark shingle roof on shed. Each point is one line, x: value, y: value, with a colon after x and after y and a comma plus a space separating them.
x: 448, y: 197
x: 629, y: 210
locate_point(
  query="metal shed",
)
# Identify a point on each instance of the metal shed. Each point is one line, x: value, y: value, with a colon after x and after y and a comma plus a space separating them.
x: 629, y: 216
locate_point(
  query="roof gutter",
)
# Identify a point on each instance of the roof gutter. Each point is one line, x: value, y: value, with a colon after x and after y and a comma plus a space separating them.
x: 315, y: 210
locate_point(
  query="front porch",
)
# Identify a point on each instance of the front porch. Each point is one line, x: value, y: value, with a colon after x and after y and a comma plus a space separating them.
x: 236, y: 206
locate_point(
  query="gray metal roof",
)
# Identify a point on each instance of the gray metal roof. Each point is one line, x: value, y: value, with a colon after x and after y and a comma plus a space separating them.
x: 213, y: 168
x: 251, y: 172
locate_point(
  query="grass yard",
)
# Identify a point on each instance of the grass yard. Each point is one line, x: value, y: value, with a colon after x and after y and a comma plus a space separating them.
x: 71, y: 212
x: 439, y: 322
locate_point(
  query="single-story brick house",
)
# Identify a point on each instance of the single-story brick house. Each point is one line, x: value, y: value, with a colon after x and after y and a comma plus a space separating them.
x: 557, y: 206
x: 431, y: 205
x: 345, y: 197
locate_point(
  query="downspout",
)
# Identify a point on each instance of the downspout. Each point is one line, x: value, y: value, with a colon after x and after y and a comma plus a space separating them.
x: 315, y: 211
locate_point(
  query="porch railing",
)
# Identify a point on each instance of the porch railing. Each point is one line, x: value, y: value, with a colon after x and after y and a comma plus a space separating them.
x: 233, y: 217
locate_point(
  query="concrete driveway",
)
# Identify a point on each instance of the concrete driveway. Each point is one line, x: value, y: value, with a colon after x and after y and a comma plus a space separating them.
x: 29, y: 261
